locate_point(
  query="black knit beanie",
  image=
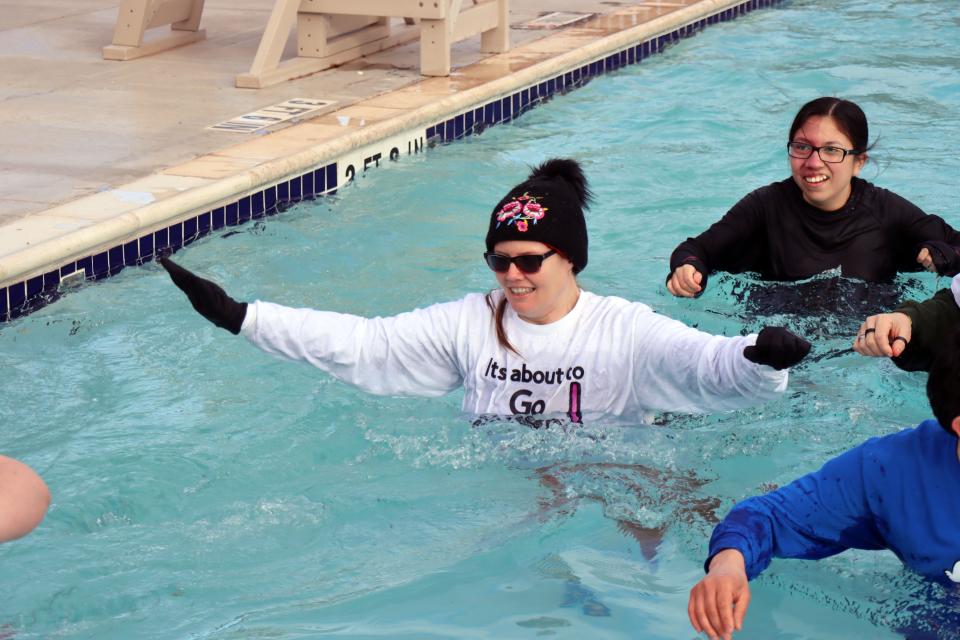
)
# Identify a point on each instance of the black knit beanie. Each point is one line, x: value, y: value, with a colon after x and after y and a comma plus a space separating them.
x: 547, y: 207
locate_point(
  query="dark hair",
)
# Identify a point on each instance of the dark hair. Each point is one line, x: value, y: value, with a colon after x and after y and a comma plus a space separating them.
x: 943, y: 384
x: 849, y: 117
x: 497, y: 311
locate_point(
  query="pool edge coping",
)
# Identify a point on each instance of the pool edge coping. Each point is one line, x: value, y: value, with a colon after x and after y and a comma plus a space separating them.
x: 32, y: 276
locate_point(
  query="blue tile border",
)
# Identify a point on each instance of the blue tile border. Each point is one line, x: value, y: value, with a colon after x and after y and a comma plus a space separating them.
x: 21, y: 298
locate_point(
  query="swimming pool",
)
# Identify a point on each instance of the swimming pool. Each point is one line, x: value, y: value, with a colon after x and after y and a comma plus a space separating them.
x: 205, y: 490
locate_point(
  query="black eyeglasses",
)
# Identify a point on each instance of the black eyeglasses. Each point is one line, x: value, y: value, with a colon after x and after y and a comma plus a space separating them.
x: 831, y: 154
x: 526, y: 263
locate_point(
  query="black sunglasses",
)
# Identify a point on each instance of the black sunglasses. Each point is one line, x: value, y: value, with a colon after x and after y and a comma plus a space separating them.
x: 526, y: 263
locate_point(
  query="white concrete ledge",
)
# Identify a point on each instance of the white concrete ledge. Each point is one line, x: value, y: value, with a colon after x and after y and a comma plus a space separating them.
x: 40, y: 243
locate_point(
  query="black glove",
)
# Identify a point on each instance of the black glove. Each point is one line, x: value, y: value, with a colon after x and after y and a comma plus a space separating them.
x: 207, y: 298
x: 946, y: 257
x: 778, y: 348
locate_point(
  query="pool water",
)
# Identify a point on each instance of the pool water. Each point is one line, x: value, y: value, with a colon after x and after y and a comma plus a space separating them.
x: 205, y: 490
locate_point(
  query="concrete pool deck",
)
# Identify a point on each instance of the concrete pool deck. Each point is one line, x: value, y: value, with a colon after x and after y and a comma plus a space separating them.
x: 97, y: 152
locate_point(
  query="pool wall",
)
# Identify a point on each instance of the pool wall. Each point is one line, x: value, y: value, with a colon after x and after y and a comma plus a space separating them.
x: 96, y: 237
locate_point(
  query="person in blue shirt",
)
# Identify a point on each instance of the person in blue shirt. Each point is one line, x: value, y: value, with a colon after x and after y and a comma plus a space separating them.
x: 896, y: 492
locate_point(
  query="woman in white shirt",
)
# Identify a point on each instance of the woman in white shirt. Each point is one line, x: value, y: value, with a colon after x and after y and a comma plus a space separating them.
x: 538, y: 346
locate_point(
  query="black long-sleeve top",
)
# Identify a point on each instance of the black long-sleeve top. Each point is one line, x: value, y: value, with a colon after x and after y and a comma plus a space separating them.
x: 773, y: 231
x: 932, y: 321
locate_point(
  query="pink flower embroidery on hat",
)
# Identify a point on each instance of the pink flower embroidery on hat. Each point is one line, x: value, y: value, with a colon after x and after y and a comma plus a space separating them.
x: 533, y: 210
x: 508, y: 210
x: 521, y: 211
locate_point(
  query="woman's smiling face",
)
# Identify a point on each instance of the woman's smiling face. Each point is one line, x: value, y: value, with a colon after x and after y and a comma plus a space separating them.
x: 541, y: 297
x: 825, y: 185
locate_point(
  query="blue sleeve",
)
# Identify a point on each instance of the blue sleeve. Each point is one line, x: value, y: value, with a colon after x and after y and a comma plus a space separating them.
x: 818, y: 515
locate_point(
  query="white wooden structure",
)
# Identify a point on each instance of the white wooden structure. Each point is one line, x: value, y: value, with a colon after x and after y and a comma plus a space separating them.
x: 130, y: 38
x: 332, y: 32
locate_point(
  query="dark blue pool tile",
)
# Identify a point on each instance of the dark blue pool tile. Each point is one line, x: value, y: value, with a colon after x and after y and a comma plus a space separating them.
x: 161, y: 240
x: 478, y: 121
x: 331, y: 182
x: 17, y: 296
x: 431, y: 131
x: 34, y: 287
x: 243, y: 209
x: 596, y: 69
x: 115, y: 256
x: 218, y: 218
x: 256, y: 205
x: 175, y: 236
x: 101, y: 265
x: 146, y: 249
x: 505, y: 109
x: 320, y: 180
x: 516, y: 107
x: 468, y: 122
x: 204, y: 223
x: 270, y: 201
x: 131, y: 252
x: 86, y: 265
x: 4, y: 307
x: 488, y: 117
x: 51, y: 280
x: 296, y: 193
x: 283, y: 192
x: 232, y: 215
x: 307, y: 187
x: 190, y: 230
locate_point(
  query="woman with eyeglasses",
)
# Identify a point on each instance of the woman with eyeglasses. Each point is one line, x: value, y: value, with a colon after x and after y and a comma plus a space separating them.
x: 538, y: 346
x: 821, y: 218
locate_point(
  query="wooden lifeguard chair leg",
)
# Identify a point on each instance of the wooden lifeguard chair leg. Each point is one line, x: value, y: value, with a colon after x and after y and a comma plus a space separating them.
x: 323, y: 40
x: 486, y: 17
x: 497, y: 40
x: 135, y: 17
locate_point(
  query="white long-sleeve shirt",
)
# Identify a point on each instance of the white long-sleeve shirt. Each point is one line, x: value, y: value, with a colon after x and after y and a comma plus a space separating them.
x: 607, y: 357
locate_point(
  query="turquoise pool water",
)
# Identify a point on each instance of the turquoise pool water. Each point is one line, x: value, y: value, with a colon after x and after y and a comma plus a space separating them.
x: 205, y: 490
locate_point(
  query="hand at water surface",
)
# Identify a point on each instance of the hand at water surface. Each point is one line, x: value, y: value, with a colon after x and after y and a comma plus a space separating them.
x: 719, y: 602
x: 207, y: 297
x: 777, y: 347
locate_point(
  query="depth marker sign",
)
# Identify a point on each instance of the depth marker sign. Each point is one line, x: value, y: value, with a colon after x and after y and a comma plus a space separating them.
x: 269, y: 116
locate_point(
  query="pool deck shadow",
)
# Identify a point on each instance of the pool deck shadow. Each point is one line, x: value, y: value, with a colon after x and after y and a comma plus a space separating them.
x: 96, y: 152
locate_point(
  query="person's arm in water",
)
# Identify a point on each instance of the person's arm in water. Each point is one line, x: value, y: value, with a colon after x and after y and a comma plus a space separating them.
x: 731, y: 244
x: 410, y: 354
x: 816, y: 516
x: 679, y: 368
x: 911, y: 333
x: 24, y: 499
x: 933, y: 242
